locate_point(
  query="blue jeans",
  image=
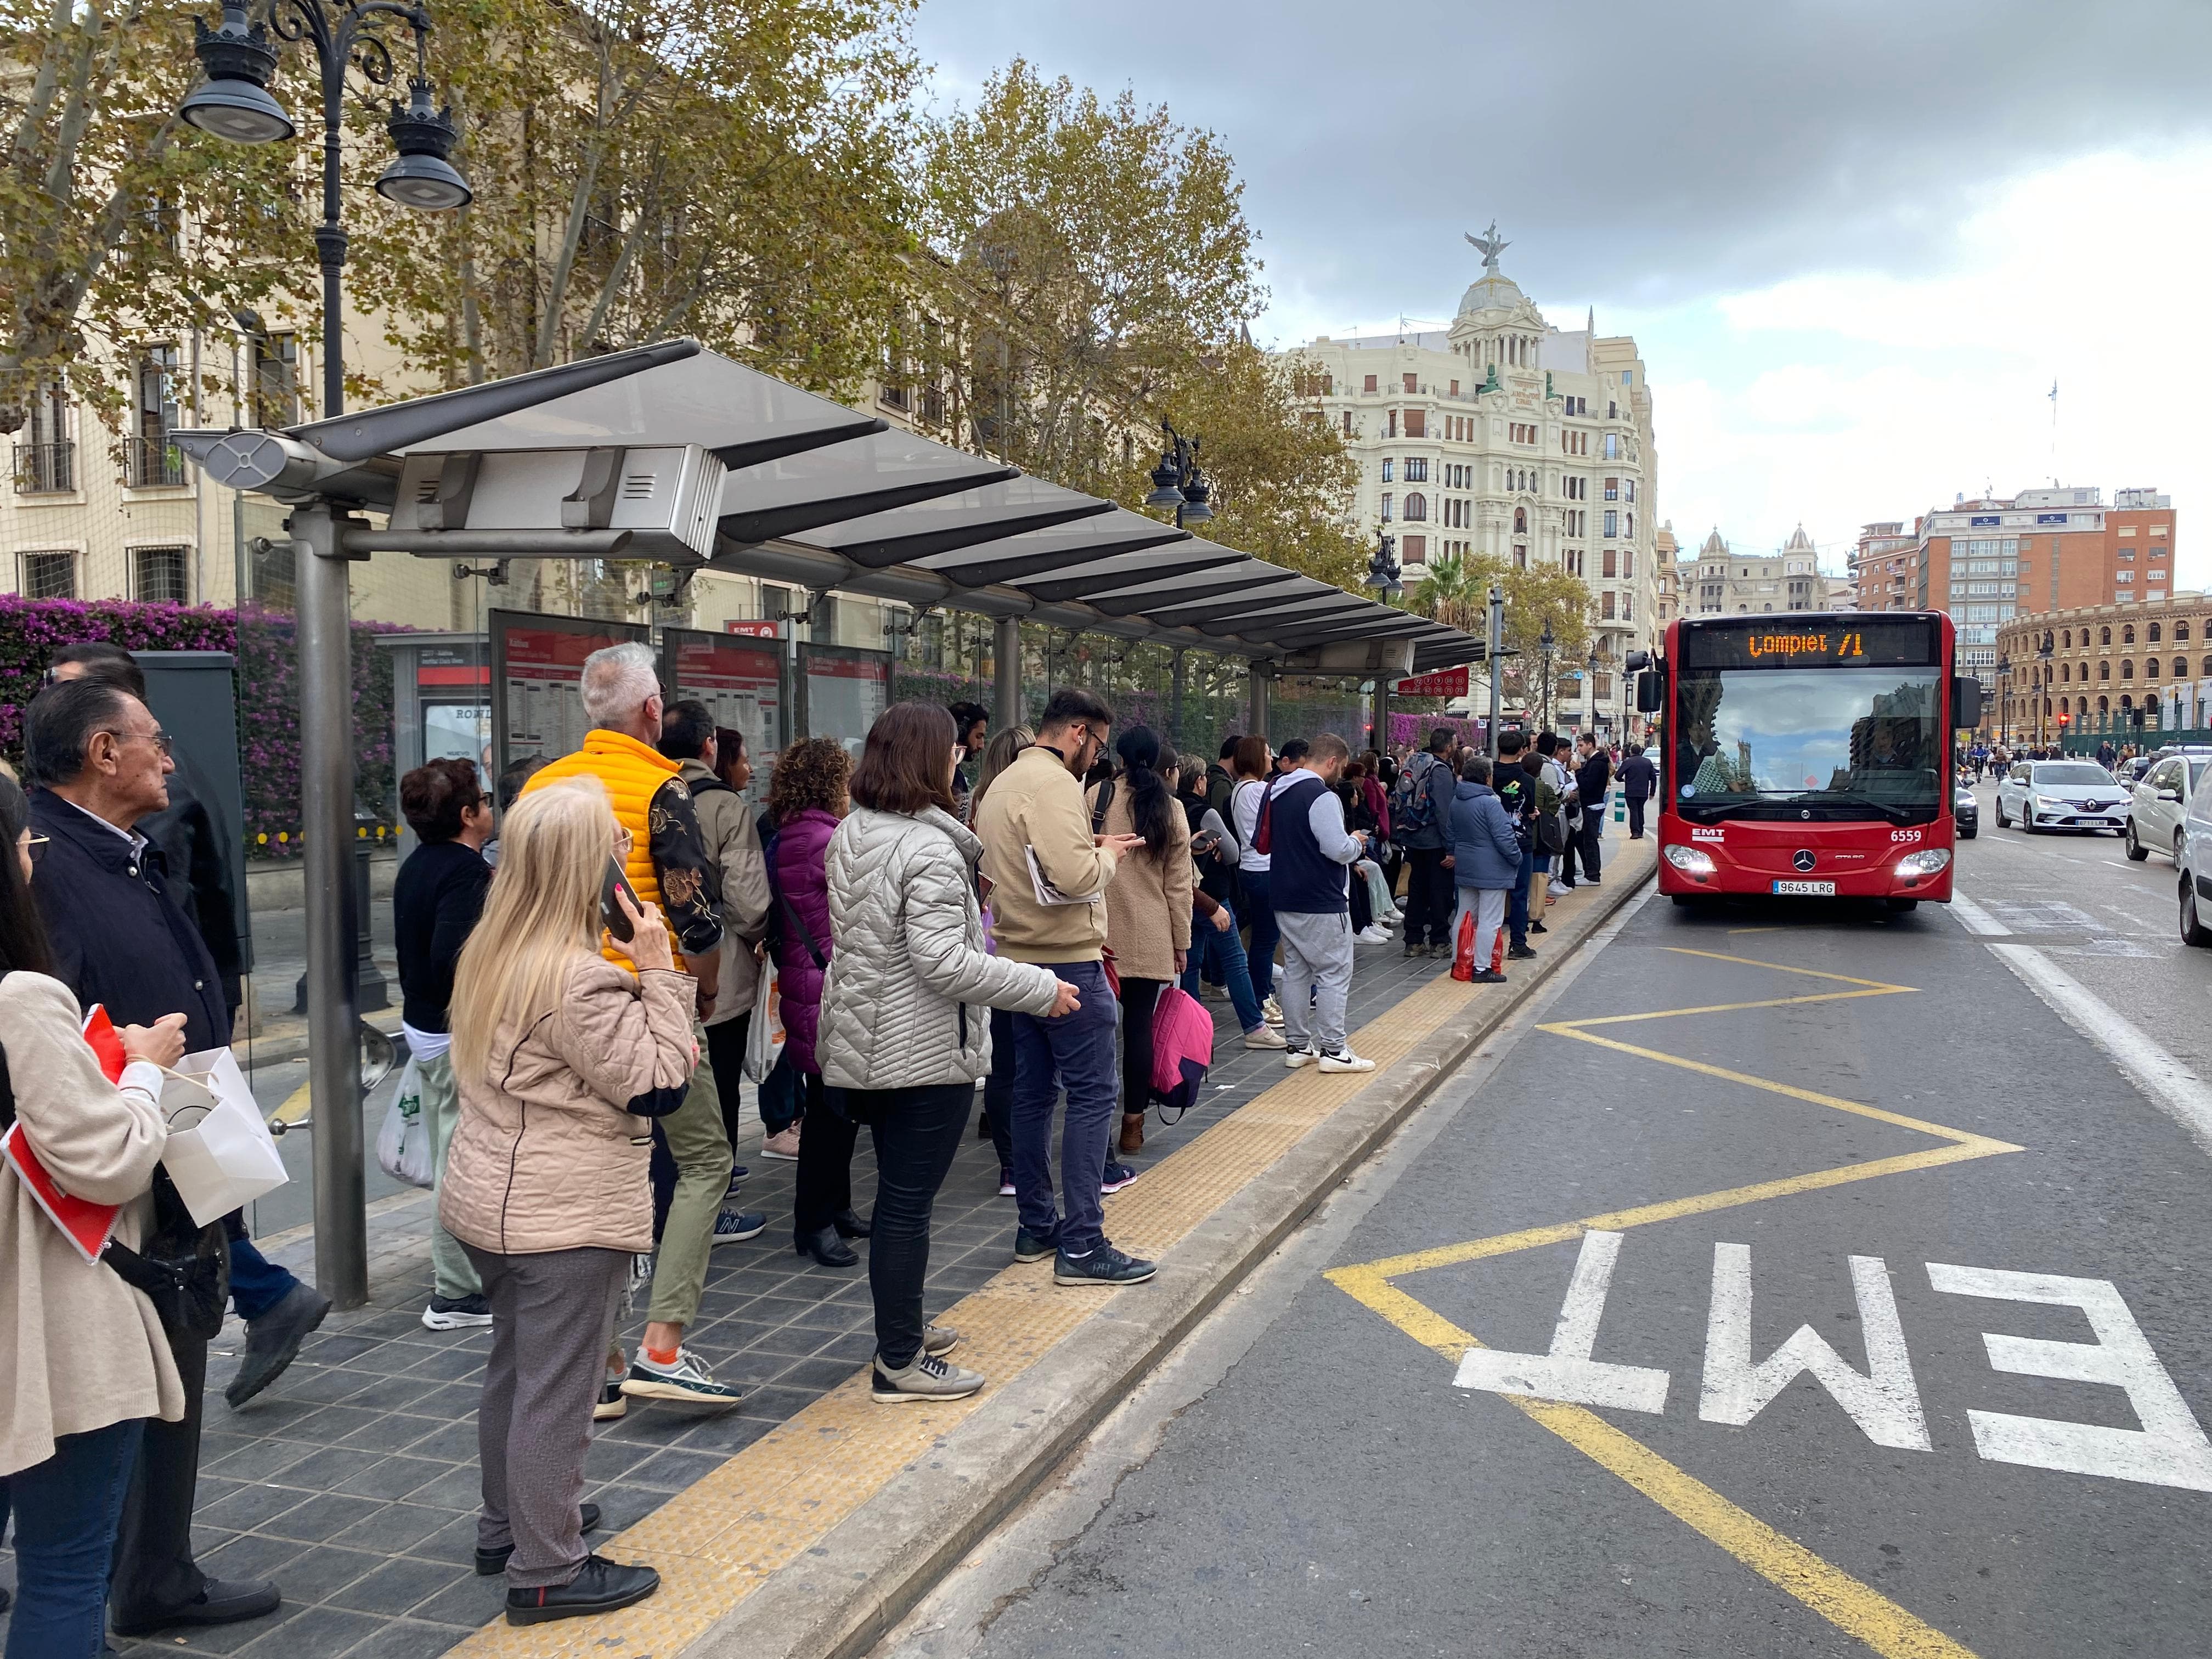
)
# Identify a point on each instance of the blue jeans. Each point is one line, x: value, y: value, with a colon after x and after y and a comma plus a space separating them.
x: 1077, y: 1052
x: 66, y: 1512
x: 1223, y: 953
x: 257, y: 1283
x: 1260, y: 912
x: 1516, y: 908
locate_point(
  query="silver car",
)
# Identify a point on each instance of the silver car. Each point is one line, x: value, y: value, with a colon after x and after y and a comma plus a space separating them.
x: 2062, y: 794
x: 2161, y: 801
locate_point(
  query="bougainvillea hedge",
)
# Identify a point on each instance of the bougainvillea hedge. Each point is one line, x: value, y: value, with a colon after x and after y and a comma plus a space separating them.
x: 32, y: 630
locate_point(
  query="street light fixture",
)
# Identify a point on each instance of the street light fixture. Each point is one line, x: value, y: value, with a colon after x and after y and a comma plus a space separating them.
x: 1384, y: 573
x: 1178, y: 482
x: 2005, y: 701
x: 1590, y: 687
x: 1546, y: 645
x: 232, y: 102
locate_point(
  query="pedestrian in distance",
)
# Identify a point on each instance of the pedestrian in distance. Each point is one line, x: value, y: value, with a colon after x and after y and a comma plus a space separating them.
x: 806, y: 801
x: 997, y: 1116
x: 974, y: 723
x: 711, y: 764
x: 1485, y: 862
x: 902, y: 1044
x: 1311, y: 852
x: 119, y: 936
x: 1517, y: 794
x: 1552, y: 750
x: 1148, y: 914
x: 1215, y: 947
x: 1048, y: 873
x: 84, y: 1365
x: 1254, y: 768
x: 664, y: 858
x: 1420, y: 809
x: 435, y: 900
x: 1593, y: 777
x: 1220, y: 780
x: 564, y: 1059
x: 1639, y: 781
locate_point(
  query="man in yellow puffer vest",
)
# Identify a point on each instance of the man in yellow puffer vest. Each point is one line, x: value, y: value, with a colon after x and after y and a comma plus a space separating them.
x: 666, y: 860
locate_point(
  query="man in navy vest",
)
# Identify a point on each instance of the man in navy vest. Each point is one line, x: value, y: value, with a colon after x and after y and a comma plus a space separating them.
x: 1310, y: 851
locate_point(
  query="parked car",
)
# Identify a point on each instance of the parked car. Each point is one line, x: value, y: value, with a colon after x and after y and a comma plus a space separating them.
x: 2066, y: 794
x: 2193, y: 857
x: 2161, y: 801
x: 1965, y: 811
x: 2136, y: 766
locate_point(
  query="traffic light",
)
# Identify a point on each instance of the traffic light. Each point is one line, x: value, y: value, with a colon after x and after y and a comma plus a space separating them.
x: 2064, y: 718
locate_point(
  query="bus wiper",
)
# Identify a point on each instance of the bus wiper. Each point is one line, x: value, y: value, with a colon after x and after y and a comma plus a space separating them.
x: 1889, y: 810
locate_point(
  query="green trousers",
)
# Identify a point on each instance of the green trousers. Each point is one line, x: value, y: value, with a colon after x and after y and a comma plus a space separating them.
x: 454, y: 1274
x: 700, y: 1148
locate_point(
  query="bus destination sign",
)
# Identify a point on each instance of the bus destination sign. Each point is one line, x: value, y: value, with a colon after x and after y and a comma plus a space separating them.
x: 1868, y: 642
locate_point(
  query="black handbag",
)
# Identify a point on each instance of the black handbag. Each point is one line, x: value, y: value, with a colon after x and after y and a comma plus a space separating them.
x: 183, y: 1269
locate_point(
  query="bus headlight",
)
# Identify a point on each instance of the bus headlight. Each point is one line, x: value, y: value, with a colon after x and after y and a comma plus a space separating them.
x: 1691, y: 861
x: 1926, y: 862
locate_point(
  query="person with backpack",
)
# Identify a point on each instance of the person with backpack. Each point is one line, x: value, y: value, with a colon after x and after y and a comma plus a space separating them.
x: 1516, y: 794
x: 1254, y: 767
x: 1421, y: 812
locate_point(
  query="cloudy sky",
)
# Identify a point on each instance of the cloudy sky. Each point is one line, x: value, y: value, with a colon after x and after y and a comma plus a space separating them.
x: 1857, y: 240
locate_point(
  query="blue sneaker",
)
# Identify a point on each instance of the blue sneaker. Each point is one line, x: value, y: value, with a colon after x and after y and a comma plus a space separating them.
x: 1028, y: 1247
x: 1103, y: 1265
x: 1118, y: 1175
x: 735, y: 1226
x: 738, y: 1173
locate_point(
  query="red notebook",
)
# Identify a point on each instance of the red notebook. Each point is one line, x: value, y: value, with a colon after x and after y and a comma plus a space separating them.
x: 86, y: 1225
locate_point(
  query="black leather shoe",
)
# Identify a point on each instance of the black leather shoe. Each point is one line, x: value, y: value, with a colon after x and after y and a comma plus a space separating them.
x: 273, y: 1341
x: 219, y: 1603
x: 849, y: 1225
x: 602, y: 1586
x: 825, y: 1247
x: 491, y: 1561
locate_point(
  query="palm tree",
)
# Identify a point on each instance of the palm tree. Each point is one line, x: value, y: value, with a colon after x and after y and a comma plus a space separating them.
x: 1446, y: 591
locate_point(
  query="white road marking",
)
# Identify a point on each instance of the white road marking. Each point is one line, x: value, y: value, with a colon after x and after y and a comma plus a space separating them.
x: 1974, y: 919
x: 1567, y: 1372
x: 2169, y: 1085
x: 2170, y: 1449
x: 1884, y: 1402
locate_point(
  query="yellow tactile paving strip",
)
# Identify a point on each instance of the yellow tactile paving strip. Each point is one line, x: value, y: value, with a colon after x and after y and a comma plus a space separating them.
x: 718, y: 1541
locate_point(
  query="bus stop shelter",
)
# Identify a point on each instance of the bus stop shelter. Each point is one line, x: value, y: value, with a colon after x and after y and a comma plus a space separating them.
x: 672, y: 453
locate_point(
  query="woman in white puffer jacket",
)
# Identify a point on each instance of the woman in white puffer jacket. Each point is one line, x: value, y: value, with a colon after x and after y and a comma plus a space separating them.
x: 906, y: 1027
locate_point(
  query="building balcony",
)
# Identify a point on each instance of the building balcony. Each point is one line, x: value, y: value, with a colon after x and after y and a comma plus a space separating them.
x: 152, y: 464
x: 45, y: 469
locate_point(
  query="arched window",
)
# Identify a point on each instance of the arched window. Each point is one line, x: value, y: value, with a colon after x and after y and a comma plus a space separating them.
x: 2153, y: 637
x: 2104, y: 705
x: 1417, y: 507
x: 2065, y: 670
x: 2180, y: 632
x: 2126, y: 703
x: 2104, y: 634
x: 2127, y: 633
x: 1520, y: 520
x: 2181, y: 668
x: 2104, y: 671
x: 2150, y: 669
x: 2127, y: 670
x: 2082, y: 706
x: 2069, y: 639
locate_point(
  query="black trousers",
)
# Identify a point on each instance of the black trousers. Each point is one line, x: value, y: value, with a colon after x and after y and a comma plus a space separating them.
x: 998, y: 1088
x: 153, y: 1572
x: 1430, y: 897
x: 726, y: 1054
x: 1586, y: 840
x: 1636, y: 817
x: 825, y: 1161
x: 1139, y: 997
x: 916, y: 1133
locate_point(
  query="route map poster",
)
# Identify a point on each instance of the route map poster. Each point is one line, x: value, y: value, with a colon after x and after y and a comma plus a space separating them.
x: 846, y: 688
x: 739, y: 676
x: 537, y: 666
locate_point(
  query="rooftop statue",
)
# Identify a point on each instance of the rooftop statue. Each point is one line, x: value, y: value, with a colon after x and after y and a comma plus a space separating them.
x: 1490, y: 245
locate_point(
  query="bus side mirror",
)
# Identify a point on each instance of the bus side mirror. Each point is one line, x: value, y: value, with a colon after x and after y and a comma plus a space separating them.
x: 1966, y: 701
x: 1650, y: 692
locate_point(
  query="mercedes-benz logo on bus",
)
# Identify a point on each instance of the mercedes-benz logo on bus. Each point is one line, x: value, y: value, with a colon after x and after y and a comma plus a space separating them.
x: 1803, y: 859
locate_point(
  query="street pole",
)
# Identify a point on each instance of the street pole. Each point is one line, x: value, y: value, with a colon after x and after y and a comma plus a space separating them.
x: 1005, y: 672
x: 326, y: 817
x: 1497, y: 645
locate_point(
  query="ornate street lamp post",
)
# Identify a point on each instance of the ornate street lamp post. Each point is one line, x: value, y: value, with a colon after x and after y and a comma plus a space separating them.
x: 1546, y: 645
x: 232, y: 102
x: 1590, y: 687
x: 2004, y: 706
x: 2042, y: 691
x: 1177, y: 481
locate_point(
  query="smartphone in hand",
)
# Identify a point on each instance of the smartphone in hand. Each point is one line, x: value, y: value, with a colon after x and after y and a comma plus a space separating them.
x: 613, y: 917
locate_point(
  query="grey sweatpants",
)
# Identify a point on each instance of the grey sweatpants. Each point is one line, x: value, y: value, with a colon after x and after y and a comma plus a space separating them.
x: 552, y: 1316
x: 1316, y: 951
x: 451, y: 1274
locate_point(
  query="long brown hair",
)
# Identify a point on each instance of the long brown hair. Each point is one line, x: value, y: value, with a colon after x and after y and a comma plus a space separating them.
x: 907, y: 762
x: 813, y: 772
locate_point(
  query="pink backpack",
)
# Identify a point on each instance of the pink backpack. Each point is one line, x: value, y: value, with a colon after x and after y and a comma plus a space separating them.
x: 1183, y: 1051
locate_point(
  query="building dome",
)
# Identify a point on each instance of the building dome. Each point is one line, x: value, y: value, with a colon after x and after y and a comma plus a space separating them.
x: 1493, y: 291
x: 1800, y: 543
x: 1715, y: 548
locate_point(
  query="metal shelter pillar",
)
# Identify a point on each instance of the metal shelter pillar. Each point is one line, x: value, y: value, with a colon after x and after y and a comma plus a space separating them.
x: 1005, y: 672
x: 1262, y: 675
x: 1380, y: 714
x: 326, y: 768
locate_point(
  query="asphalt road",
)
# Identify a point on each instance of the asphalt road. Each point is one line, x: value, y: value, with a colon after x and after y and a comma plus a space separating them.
x: 1806, y: 1446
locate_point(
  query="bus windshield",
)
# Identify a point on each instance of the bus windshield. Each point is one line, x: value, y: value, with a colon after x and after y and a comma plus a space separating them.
x: 1841, y: 743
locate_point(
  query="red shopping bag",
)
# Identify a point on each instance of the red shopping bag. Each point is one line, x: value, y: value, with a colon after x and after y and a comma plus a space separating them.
x: 1462, y: 968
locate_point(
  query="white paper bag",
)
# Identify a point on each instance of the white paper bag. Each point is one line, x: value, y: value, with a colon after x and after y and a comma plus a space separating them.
x: 221, y: 1154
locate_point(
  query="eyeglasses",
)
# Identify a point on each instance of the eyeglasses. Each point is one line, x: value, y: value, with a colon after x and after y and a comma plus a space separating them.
x: 160, y: 740
x: 624, y: 840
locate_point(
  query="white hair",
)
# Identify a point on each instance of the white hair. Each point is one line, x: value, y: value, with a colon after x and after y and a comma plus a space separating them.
x: 617, y: 682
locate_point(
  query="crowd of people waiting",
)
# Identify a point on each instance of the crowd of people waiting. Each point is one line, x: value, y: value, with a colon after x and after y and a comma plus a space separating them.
x: 955, y: 910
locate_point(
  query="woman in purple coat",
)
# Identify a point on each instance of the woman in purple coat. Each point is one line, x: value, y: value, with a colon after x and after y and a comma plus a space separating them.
x: 806, y: 801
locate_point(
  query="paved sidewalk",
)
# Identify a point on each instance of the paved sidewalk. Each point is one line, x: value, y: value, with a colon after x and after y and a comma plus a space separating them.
x: 353, y: 1482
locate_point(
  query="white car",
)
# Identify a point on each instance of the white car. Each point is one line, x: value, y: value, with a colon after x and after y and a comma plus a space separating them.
x: 2062, y: 794
x: 2194, y: 855
x: 2161, y: 801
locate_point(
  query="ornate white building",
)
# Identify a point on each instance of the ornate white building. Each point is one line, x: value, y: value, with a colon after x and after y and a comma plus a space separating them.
x: 1505, y: 435
x: 1719, y: 580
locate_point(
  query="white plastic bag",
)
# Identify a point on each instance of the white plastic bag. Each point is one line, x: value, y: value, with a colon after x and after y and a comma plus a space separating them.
x: 764, y: 1037
x: 402, y: 1146
x: 220, y: 1154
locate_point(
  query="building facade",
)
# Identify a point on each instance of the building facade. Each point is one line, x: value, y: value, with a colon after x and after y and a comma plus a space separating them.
x: 1505, y: 436
x: 2095, y: 669
x: 1720, y: 581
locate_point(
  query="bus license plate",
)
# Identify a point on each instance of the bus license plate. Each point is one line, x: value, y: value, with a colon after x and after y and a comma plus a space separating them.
x: 1806, y: 889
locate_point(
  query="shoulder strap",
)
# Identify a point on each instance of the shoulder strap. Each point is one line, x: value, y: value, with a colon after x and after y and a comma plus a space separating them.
x: 799, y: 925
x: 1098, y: 808
x: 7, y: 1095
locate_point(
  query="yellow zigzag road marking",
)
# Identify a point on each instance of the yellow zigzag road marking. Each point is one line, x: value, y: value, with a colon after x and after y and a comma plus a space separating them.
x: 1842, y: 1600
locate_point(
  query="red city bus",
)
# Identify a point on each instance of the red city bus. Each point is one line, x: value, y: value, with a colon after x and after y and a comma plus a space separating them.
x: 1808, y: 755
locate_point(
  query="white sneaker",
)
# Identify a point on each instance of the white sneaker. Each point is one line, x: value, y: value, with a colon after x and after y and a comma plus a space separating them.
x: 1209, y: 992
x: 1295, y: 1057
x: 1559, y: 889
x: 1345, y: 1060
x: 1271, y: 1011
x: 1265, y: 1037
x: 1374, y: 933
